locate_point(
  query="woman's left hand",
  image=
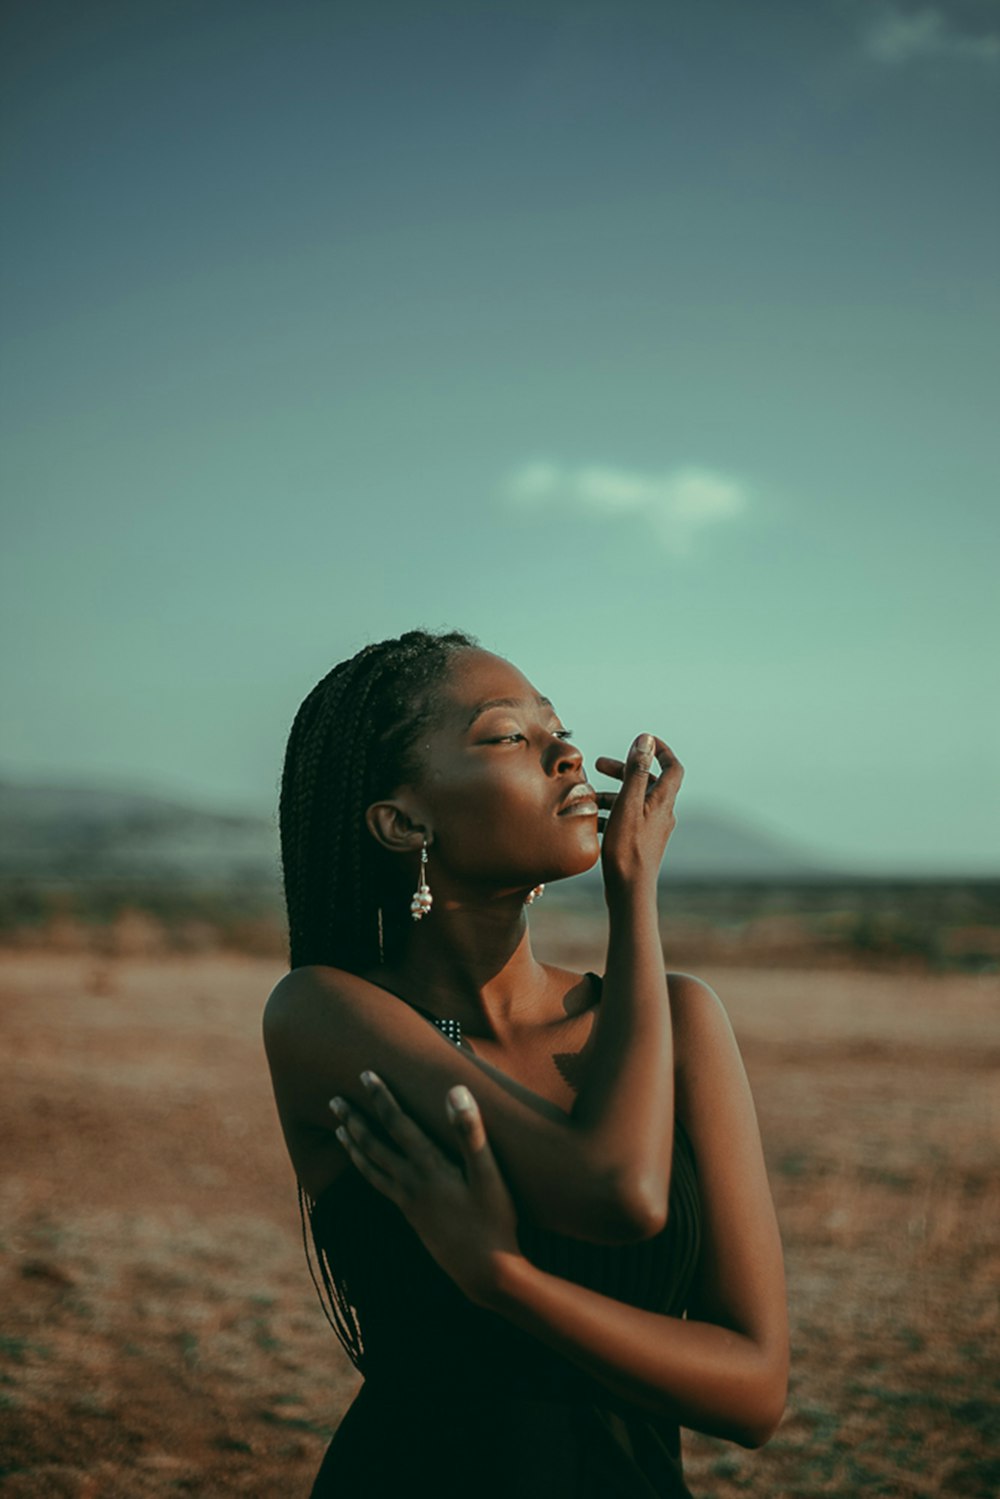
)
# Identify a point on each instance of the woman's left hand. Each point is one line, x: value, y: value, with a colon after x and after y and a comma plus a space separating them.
x: 464, y: 1214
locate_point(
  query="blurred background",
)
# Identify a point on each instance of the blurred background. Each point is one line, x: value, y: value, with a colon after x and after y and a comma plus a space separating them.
x: 656, y: 345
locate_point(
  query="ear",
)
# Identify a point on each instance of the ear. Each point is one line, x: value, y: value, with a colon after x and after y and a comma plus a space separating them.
x: 391, y: 825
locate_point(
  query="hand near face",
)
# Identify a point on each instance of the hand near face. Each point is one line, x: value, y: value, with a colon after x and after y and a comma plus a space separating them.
x: 640, y: 817
x: 464, y: 1214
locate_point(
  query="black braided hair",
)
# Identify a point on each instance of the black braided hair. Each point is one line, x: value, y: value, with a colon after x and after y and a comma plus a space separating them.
x: 352, y: 742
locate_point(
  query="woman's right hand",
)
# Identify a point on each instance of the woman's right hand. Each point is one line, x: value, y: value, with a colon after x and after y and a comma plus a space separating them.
x: 641, y: 816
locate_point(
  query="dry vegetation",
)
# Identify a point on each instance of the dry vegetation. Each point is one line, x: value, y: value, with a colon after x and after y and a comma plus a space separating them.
x: 161, y: 1333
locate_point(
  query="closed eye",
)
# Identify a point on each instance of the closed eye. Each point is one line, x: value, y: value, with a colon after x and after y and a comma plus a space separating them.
x: 511, y: 738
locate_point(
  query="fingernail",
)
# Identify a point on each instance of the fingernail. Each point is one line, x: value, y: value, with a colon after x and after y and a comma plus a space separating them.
x: 644, y: 744
x: 369, y: 1079
x: 460, y: 1098
x: 338, y: 1106
x: 341, y: 1134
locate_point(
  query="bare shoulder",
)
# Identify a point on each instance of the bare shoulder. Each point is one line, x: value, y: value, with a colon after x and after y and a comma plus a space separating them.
x: 703, y: 1034
x: 695, y: 1005
x: 304, y: 999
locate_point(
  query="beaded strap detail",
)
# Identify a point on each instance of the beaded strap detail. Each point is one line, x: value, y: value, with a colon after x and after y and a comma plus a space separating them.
x: 450, y: 1028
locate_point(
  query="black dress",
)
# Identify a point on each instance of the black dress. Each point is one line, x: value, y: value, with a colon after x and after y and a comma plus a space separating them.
x: 457, y: 1395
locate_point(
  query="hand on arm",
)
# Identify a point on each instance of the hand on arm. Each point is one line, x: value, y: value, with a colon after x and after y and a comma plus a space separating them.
x: 724, y: 1369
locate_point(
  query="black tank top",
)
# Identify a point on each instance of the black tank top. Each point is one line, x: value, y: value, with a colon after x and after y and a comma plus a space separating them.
x: 421, y: 1345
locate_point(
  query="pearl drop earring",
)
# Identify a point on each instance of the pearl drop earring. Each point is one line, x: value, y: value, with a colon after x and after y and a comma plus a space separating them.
x: 422, y: 899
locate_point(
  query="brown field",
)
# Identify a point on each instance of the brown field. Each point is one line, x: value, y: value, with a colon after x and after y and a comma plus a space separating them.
x: 161, y: 1334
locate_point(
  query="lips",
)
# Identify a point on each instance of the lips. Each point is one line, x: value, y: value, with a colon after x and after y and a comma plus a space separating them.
x: 580, y: 801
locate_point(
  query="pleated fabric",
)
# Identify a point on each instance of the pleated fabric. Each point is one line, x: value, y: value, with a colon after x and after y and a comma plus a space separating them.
x: 452, y: 1391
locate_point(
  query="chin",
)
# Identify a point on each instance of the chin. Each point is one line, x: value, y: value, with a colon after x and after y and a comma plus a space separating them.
x: 583, y: 859
x: 592, y: 858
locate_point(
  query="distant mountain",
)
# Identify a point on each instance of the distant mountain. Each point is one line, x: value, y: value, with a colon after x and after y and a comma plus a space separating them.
x: 87, y: 833
x: 707, y: 844
x: 715, y: 845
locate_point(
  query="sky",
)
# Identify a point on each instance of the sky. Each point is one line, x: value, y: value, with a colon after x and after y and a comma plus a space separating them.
x: 656, y: 344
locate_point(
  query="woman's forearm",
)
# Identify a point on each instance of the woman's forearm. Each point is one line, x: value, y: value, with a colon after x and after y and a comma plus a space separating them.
x: 709, y: 1378
x: 625, y: 1107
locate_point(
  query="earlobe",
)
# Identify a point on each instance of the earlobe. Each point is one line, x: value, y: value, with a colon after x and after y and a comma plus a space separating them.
x: 392, y: 827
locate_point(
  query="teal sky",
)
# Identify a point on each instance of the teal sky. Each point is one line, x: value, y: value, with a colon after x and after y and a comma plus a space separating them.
x: 655, y: 344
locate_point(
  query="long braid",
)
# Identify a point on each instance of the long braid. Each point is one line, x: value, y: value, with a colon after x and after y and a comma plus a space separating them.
x: 352, y: 742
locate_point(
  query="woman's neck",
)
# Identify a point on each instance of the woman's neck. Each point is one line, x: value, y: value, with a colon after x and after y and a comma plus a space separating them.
x: 473, y: 963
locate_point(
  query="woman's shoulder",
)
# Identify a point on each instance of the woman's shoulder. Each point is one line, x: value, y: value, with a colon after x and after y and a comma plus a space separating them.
x: 694, y: 1005
x: 300, y: 982
x: 706, y: 1052
x: 686, y: 990
x: 303, y: 993
x: 691, y: 998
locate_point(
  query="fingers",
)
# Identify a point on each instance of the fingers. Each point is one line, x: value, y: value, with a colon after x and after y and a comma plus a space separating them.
x: 639, y: 764
x: 639, y: 760
x: 480, y: 1163
x: 463, y: 1112
x: 400, y: 1173
x: 605, y: 806
x: 668, y: 782
x: 633, y: 773
x: 378, y: 1178
x: 609, y: 767
x: 357, y: 1133
x: 398, y: 1126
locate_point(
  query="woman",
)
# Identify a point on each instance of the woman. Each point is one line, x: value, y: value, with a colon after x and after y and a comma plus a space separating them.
x: 538, y: 1198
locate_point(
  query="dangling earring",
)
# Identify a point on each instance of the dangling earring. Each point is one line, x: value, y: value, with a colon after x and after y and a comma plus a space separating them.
x: 381, y: 943
x: 422, y: 899
x: 533, y: 895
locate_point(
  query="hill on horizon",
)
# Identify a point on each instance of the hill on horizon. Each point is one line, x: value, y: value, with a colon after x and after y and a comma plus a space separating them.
x: 91, y: 832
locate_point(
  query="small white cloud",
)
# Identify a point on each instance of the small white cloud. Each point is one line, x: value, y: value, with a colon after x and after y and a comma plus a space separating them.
x: 677, y: 505
x: 611, y: 490
x: 897, y: 36
x: 533, y: 482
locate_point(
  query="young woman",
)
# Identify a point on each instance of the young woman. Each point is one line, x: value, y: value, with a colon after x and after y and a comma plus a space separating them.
x: 537, y: 1197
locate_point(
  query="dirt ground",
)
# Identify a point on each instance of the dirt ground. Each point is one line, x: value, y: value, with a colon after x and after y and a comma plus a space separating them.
x: 161, y: 1334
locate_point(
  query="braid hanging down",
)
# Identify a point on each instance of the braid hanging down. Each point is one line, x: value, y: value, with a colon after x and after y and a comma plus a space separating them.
x: 352, y: 743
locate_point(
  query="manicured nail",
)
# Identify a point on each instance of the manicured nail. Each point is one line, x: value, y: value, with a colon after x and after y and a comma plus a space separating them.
x: 338, y: 1106
x: 460, y: 1098
x: 369, y: 1079
x: 341, y: 1134
x: 644, y: 744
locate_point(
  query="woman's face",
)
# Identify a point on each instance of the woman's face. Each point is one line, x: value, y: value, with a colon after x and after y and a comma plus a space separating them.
x: 496, y: 772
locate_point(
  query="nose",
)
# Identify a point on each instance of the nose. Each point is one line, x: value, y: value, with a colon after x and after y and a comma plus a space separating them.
x: 563, y: 757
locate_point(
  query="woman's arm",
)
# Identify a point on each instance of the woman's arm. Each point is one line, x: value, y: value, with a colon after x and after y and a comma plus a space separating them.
x: 725, y: 1370
x: 725, y: 1373
x: 707, y: 1377
x: 598, y: 1173
x: 625, y: 1106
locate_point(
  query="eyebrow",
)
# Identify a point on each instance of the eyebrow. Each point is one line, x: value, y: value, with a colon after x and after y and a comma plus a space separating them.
x: 504, y: 702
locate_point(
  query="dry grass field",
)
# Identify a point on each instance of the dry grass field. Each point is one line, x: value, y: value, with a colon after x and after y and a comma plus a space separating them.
x: 161, y: 1335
